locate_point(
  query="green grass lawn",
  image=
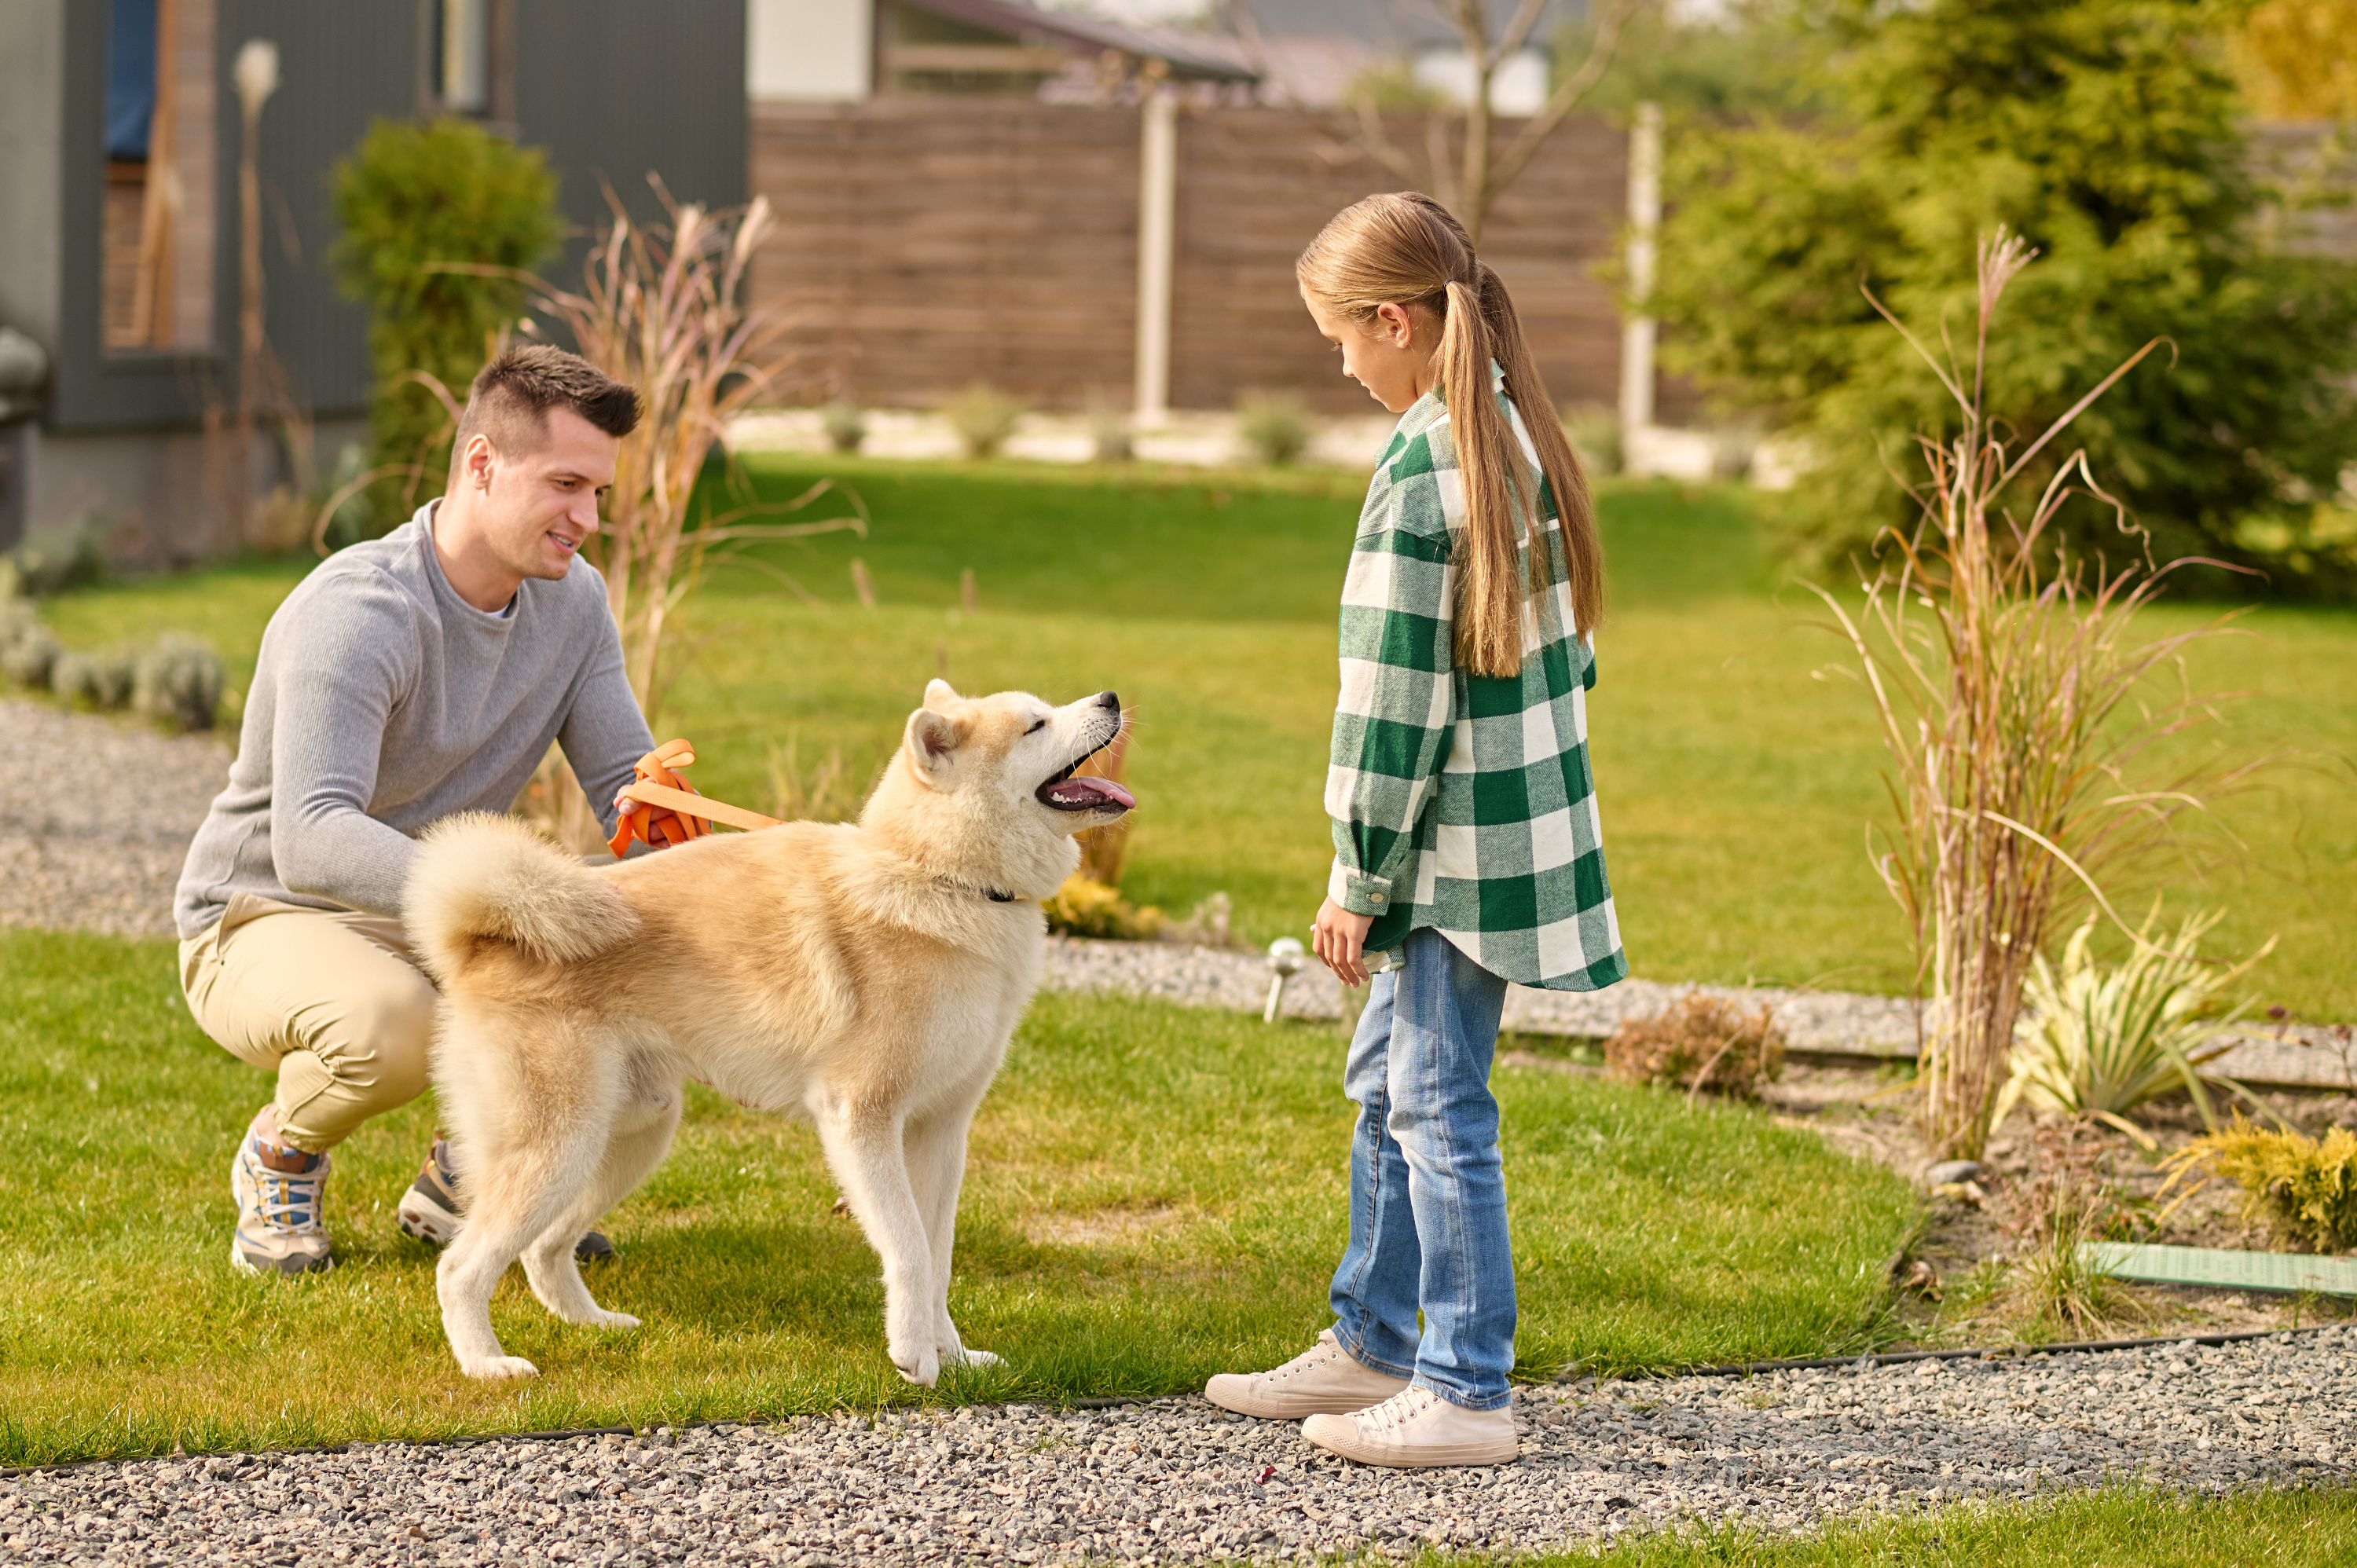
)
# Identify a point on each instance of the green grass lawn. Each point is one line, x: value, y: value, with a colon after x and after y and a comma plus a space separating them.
x: 2127, y: 1527
x: 1736, y: 783
x: 1155, y: 1194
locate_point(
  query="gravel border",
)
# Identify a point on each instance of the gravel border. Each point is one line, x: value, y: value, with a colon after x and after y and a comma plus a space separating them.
x: 99, y: 846
x: 1177, y: 1480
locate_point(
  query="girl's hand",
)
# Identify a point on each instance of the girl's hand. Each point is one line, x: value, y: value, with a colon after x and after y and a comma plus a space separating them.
x: 1339, y: 940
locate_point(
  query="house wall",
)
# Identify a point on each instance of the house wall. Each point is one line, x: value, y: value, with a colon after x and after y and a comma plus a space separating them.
x: 32, y: 74
x: 611, y: 87
x: 617, y: 88
x: 809, y: 51
x: 926, y: 245
x: 32, y: 85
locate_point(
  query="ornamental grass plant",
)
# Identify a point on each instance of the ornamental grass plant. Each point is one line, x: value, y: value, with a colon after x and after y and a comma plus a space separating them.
x: 2102, y: 1040
x: 2017, y: 709
x: 661, y: 308
x: 2053, y: 1288
x: 1275, y: 428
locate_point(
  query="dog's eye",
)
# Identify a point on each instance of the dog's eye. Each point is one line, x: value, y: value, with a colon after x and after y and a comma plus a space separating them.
x: 1037, y: 727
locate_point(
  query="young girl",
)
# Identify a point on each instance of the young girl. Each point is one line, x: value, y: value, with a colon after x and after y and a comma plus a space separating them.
x: 1465, y: 840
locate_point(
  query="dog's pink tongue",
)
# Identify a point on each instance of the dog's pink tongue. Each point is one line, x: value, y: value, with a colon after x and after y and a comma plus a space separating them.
x: 1092, y: 792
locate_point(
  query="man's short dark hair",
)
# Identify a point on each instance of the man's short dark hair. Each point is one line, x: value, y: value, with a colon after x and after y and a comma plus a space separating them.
x: 511, y: 396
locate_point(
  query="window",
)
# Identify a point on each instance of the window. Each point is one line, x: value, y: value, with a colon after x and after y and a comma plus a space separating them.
x: 462, y: 56
x: 156, y: 217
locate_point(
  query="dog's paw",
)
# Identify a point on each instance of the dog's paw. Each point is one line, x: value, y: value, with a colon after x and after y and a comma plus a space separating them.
x: 923, y: 1370
x: 499, y: 1368
x: 967, y: 1356
x: 604, y: 1319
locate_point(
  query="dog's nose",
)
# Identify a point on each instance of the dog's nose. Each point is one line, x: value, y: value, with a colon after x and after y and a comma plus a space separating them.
x: 1107, y: 700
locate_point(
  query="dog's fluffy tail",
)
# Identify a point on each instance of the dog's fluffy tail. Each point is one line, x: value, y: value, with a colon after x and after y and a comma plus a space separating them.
x: 481, y: 878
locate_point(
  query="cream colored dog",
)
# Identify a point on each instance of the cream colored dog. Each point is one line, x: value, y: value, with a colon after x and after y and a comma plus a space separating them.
x: 869, y: 975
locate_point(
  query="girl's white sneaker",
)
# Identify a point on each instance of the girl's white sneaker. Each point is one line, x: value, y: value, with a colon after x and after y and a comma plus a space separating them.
x: 1419, y: 1429
x: 1322, y: 1378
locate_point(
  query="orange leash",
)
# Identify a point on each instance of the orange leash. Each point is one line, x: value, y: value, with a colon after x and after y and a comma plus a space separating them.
x: 674, y: 812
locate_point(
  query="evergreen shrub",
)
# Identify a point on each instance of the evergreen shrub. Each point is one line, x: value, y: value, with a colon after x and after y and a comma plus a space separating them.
x: 413, y: 200
x: 2109, y: 135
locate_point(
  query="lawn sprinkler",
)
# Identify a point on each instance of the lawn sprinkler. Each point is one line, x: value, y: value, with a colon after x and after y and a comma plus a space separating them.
x: 1286, y: 957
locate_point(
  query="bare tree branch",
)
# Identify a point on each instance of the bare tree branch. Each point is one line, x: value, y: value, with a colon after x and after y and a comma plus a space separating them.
x: 1518, y: 28
x: 1379, y: 146
x: 1610, y: 20
x: 1468, y: 177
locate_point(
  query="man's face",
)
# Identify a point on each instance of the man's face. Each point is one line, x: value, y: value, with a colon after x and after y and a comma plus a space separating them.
x: 539, y: 503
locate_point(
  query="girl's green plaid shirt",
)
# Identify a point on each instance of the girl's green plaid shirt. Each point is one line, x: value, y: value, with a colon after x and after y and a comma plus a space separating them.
x: 1464, y: 802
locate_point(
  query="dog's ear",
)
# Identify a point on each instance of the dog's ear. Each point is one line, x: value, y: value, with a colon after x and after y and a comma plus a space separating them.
x: 931, y: 742
x: 939, y: 695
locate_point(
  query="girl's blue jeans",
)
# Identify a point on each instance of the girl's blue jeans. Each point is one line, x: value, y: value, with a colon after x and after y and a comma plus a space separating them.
x: 1428, y: 1184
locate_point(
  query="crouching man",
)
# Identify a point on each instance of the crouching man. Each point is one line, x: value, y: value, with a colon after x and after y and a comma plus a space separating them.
x: 407, y: 680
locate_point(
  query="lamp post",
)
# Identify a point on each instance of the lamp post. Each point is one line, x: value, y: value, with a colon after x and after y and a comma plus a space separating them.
x: 1286, y: 957
x: 256, y: 76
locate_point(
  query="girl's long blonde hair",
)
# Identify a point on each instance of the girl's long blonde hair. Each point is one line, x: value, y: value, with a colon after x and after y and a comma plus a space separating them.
x: 1405, y: 249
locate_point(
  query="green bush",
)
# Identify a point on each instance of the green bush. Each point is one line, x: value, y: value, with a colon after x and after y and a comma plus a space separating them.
x: 1275, y: 428
x: 179, y: 682
x: 102, y: 679
x: 411, y: 197
x: 1109, y: 436
x: 28, y: 651
x: 1083, y: 907
x: 846, y: 427
x: 2306, y: 1191
x: 2109, y: 135
x: 1595, y: 434
x: 982, y: 417
x: 52, y: 560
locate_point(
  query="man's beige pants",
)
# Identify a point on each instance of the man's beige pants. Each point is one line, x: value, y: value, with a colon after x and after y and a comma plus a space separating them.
x: 334, y: 1002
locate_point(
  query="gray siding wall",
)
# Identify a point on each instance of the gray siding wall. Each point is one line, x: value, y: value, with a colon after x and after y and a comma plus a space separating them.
x: 610, y: 87
x: 617, y: 89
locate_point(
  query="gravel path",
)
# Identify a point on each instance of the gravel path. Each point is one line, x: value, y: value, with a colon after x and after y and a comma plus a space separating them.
x: 1178, y: 1481
x: 99, y: 847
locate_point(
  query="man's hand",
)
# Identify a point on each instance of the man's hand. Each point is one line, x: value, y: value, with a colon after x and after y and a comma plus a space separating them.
x: 1339, y: 940
x: 657, y: 826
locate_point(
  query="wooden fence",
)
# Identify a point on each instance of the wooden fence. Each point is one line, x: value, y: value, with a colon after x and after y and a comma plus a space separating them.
x: 926, y: 245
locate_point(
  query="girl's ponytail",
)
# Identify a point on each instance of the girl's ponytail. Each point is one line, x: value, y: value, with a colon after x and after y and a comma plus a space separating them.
x: 1405, y: 249
x: 1490, y: 591
x: 1567, y: 480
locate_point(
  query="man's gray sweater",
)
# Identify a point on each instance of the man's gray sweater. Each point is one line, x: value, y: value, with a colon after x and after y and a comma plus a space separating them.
x: 383, y: 703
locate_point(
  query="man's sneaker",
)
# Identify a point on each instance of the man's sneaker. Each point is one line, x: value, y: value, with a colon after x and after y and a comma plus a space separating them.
x: 1419, y: 1429
x: 278, y: 1230
x: 429, y: 1209
x: 1323, y: 1378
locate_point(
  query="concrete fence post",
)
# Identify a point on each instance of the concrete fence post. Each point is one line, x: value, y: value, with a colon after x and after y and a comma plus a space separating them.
x: 1644, y: 228
x: 1157, y: 219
